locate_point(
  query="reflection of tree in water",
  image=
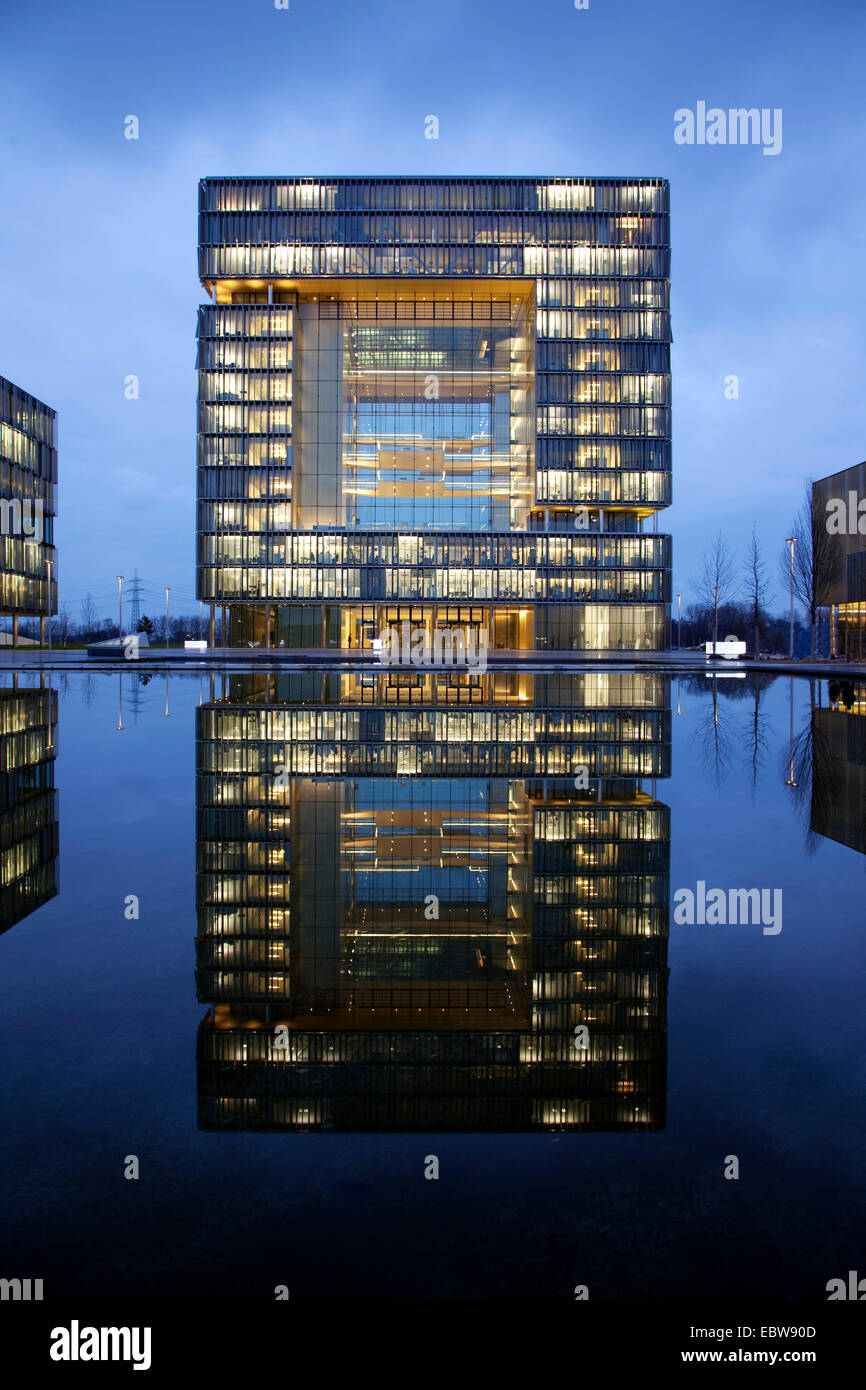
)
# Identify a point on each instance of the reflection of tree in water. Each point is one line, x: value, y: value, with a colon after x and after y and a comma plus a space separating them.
x: 755, y: 684
x: 721, y: 734
x: 810, y: 770
x: 715, y: 729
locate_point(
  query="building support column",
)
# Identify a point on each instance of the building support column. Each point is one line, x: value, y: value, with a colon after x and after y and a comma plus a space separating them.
x: 267, y: 625
x: 15, y: 630
x: 212, y: 628
x: 42, y: 632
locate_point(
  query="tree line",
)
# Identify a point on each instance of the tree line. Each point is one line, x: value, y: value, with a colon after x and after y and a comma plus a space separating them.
x: 66, y: 631
x: 733, y: 594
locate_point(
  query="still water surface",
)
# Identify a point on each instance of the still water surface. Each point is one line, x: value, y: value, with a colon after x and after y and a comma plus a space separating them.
x: 287, y: 939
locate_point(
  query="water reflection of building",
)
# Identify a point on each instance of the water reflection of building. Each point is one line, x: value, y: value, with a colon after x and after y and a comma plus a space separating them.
x: 413, y: 876
x: 838, y: 792
x: 29, y: 833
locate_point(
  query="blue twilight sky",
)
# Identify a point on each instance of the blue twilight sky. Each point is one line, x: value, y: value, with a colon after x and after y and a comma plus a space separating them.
x: 98, y: 273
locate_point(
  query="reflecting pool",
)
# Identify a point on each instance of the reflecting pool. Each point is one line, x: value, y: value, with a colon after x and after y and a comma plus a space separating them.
x: 432, y: 984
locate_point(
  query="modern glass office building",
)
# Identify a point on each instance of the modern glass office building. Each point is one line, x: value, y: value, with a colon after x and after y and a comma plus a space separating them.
x: 28, y: 489
x: 441, y: 400
x: 839, y: 558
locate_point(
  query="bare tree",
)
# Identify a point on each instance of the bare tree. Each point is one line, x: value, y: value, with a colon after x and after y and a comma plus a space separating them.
x: 755, y: 591
x: 816, y: 561
x: 88, y: 613
x: 716, y: 580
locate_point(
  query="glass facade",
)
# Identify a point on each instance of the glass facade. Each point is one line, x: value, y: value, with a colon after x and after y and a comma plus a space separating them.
x: 28, y: 491
x: 413, y: 892
x: 405, y: 385
x: 839, y: 558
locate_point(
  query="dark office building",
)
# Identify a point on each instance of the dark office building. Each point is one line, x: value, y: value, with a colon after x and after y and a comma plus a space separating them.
x: 839, y: 514
x: 28, y: 488
x: 437, y: 400
x: 407, y: 909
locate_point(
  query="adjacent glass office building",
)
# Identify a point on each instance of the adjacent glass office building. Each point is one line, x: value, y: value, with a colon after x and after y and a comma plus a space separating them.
x: 28, y: 489
x: 839, y: 560
x: 438, y: 400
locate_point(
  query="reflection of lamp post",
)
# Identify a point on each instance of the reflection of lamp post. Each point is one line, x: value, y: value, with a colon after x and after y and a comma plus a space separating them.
x: 791, y: 782
x: 790, y: 540
x: 48, y: 563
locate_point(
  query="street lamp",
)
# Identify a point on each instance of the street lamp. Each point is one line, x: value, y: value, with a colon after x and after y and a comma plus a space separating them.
x: 166, y: 616
x: 120, y: 609
x: 791, y: 541
x: 679, y: 621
